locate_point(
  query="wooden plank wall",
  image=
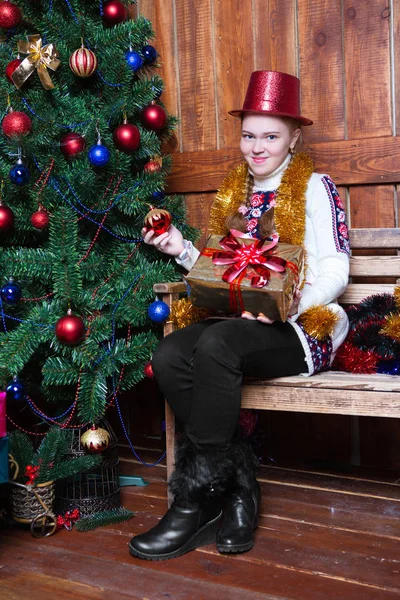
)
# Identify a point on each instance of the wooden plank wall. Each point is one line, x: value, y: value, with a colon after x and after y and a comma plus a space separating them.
x: 346, y: 53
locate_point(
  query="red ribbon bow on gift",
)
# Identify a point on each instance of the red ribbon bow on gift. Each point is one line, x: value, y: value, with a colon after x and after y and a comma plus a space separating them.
x: 240, y: 256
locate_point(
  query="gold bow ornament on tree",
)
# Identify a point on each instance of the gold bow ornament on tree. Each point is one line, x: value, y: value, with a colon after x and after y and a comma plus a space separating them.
x: 40, y: 58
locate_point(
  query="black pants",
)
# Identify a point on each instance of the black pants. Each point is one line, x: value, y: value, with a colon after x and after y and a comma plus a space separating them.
x: 200, y: 369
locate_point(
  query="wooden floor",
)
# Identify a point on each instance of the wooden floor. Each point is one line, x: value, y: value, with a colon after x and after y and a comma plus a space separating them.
x: 321, y: 536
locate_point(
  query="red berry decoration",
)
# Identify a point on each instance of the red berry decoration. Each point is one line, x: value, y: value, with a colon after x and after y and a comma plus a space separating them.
x: 114, y: 12
x: 6, y: 219
x: 10, y: 15
x: 158, y: 220
x: 70, y: 330
x: 154, y: 117
x: 152, y: 166
x: 148, y: 370
x: 83, y: 62
x: 11, y: 67
x: 72, y: 144
x: 126, y: 137
x: 16, y: 123
x: 40, y: 219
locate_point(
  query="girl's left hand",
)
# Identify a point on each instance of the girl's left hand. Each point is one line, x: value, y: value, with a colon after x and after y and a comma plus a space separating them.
x: 261, y: 317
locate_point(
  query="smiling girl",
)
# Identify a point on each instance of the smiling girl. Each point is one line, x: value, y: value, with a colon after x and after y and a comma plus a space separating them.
x: 200, y: 368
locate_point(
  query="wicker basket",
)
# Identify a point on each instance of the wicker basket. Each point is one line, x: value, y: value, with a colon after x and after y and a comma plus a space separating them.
x: 27, y: 505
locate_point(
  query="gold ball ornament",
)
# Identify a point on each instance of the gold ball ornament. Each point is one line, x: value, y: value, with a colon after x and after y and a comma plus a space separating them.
x: 95, y: 439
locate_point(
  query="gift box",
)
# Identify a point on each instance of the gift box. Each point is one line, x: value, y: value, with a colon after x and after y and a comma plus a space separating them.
x: 3, y: 459
x: 233, y: 274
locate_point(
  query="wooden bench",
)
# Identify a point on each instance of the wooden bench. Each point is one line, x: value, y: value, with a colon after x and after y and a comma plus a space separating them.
x: 330, y: 392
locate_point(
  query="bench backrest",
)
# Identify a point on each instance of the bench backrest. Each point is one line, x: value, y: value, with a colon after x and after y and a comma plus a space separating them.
x: 373, y: 267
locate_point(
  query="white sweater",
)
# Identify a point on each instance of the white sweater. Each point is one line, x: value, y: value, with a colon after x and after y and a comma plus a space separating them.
x: 327, y: 251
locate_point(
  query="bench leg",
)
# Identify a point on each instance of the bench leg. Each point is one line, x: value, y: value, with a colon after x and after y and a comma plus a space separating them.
x: 170, y: 444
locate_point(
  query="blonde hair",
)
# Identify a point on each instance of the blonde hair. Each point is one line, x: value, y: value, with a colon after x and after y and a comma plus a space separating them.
x: 266, y: 223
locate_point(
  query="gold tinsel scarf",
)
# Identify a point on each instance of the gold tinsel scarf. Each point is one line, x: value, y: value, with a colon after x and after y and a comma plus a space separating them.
x: 290, y: 222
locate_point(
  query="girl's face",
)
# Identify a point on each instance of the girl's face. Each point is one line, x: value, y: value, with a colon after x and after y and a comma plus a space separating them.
x: 265, y: 142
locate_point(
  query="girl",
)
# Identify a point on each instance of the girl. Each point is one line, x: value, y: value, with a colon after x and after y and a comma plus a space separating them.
x: 200, y: 368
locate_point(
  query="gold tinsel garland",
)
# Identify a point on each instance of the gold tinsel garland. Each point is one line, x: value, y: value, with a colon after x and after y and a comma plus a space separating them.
x: 396, y: 295
x: 392, y: 327
x: 319, y: 321
x: 228, y: 199
x: 184, y: 313
x: 290, y: 208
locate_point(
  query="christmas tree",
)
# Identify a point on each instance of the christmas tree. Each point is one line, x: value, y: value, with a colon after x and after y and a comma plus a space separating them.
x: 82, y: 162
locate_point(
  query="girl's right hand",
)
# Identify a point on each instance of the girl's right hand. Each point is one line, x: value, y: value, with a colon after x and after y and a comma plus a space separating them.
x: 170, y: 242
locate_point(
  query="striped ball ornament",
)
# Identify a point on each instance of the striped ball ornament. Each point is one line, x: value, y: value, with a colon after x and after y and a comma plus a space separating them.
x: 83, y: 62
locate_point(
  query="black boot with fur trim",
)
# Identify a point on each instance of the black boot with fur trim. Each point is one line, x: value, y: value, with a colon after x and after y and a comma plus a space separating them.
x: 242, y: 506
x: 198, y: 482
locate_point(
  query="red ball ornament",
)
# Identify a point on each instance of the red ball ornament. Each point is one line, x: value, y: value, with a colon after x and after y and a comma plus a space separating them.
x: 11, y: 67
x: 114, y: 12
x: 70, y: 330
x: 152, y: 166
x: 83, y: 62
x: 148, y: 370
x: 6, y: 219
x: 154, y: 117
x: 72, y: 144
x: 10, y: 15
x: 40, y: 219
x: 126, y: 137
x: 16, y: 123
x: 158, y: 220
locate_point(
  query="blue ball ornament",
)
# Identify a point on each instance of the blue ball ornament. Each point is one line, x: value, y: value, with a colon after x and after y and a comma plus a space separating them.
x: 134, y: 60
x: 11, y: 293
x: 99, y: 155
x: 158, y: 311
x: 158, y: 195
x: 149, y: 54
x: 15, y: 390
x: 19, y: 174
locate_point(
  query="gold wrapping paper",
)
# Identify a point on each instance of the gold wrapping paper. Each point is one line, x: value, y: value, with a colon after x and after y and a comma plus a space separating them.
x: 208, y: 290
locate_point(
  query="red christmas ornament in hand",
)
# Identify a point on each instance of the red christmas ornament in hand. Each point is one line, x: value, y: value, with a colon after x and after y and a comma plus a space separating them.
x: 16, y: 123
x: 114, y: 12
x: 154, y: 117
x: 11, y: 67
x: 72, y: 144
x: 40, y: 219
x: 158, y: 220
x: 6, y: 219
x: 10, y: 15
x: 126, y: 137
x: 70, y: 330
x: 83, y: 62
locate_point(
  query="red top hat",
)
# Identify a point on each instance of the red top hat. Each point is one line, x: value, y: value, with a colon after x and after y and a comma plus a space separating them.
x: 273, y: 93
